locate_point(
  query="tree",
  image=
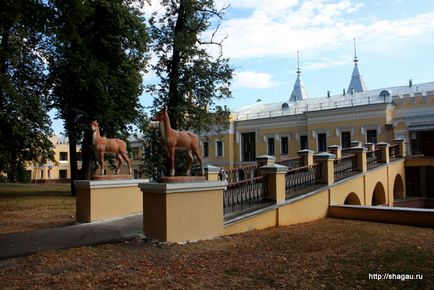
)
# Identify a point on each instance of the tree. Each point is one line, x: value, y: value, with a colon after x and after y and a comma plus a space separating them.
x: 96, y: 63
x: 25, y: 125
x: 191, y: 79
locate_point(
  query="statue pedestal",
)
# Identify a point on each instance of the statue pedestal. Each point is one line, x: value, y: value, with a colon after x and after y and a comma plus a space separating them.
x: 104, y: 199
x: 110, y: 177
x: 183, y: 211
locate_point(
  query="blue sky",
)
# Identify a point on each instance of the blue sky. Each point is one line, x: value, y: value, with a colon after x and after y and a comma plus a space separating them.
x: 395, y: 43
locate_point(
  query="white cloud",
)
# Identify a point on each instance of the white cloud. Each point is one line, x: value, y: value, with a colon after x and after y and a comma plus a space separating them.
x: 251, y: 79
x: 279, y: 28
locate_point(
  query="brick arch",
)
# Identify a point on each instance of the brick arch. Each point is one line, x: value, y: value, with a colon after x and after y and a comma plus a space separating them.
x: 352, y: 199
x: 378, y: 195
x: 398, y: 187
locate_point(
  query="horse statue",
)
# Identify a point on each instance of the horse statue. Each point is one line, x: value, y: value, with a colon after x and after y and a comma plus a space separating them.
x: 181, y: 140
x: 109, y: 145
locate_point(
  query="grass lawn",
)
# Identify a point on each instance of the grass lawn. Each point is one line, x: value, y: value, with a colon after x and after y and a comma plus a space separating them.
x: 326, y: 254
x: 25, y: 207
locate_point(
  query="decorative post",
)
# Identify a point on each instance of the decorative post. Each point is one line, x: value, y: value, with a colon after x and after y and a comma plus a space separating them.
x: 384, y: 147
x: 275, y: 174
x: 336, y: 150
x: 362, y: 162
x: 326, y: 161
x: 307, y: 156
x: 401, y: 147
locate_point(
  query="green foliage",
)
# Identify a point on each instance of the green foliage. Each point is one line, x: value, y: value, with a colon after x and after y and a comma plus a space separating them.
x: 25, y: 125
x: 191, y: 79
x: 97, y: 57
x: 153, y: 155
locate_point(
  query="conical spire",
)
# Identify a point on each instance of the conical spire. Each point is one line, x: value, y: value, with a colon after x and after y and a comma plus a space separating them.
x: 356, y: 84
x: 299, y: 92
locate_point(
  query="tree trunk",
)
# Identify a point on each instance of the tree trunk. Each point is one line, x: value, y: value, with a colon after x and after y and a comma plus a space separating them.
x: 73, y: 163
x: 87, y: 156
x: 174, y: 97
x: 4, y: 46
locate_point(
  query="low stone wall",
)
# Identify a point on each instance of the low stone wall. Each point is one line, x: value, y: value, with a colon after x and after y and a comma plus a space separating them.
x: 415, y: 203
x: 404, y: 216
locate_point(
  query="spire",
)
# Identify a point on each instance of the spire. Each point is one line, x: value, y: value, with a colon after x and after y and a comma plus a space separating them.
x: 356, y: 84
x: 299, y: 92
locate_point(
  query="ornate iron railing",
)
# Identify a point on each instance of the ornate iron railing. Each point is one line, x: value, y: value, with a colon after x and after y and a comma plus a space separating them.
x: 394, y: 151
x: 245, y: 194
x: 373, y: 157
x: 292, y: 162
x: 345, y: 166
x: 300, y: 180
x: 240, y: 174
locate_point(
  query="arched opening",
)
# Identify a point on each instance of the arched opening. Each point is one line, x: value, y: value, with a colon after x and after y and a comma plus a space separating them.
x: 352, y: 199
x: 398, y: 187
x: 379, y: 195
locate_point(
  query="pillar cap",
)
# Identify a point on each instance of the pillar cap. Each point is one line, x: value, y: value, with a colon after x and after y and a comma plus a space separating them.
x: 398, y: 140
x: 265, y: 159
x: 211, y: 168
x: 358, y: 149
x: 334, y: 147
x: 355, y: 142
x: 305, y: 152
x: 272, y: 168
x: 382, y: 144
x: 324, y: 156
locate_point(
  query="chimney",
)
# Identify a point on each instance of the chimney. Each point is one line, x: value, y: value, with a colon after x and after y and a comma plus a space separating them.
x: 410, y: 83
x: 328, y: 94
x: 343, y: 92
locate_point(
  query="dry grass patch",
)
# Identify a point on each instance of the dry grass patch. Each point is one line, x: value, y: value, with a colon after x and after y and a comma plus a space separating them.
x: 25, y: 207
x: 336, y: 254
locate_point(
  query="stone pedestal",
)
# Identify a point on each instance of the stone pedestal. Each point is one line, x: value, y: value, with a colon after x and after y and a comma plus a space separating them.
x: 307, y: 156
x: 104, y: 199
x: 326, y: 161
x: 178, y: 212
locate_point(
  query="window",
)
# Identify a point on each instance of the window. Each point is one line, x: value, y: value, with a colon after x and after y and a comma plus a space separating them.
x: 219, y: 148
x: 322, y: 142
x: 284, y: 145
x: 371, y: 136
x: 248, y: 146
x: 303, y: 142
x: 205, y: 149
x: 63, y: 173
x: 346, y: 140
x: 270, y: 146
x: 63, y: 156
x: 42, y: 174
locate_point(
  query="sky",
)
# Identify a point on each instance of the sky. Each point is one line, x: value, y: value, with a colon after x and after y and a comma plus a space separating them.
x: 394, y: 40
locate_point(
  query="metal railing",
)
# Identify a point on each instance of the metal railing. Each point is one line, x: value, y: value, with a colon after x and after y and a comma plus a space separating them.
x: 246, y: 194
x: 328, y: 104
x: 240, y: 174
x: 301, y: 180
x: 292, y: 162
x: 373, y: 157
x: 345, y: 166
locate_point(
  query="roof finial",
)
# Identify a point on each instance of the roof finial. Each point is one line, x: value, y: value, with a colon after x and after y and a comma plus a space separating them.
x: 355, y: 52
x: 298, y: 62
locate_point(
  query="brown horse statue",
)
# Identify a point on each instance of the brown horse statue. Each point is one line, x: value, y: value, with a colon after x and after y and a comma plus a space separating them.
x: 109, y: 145
x: 180, y: 140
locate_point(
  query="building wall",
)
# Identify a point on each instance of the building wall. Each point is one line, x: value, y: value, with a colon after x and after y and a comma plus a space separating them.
x: 391, y: 120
